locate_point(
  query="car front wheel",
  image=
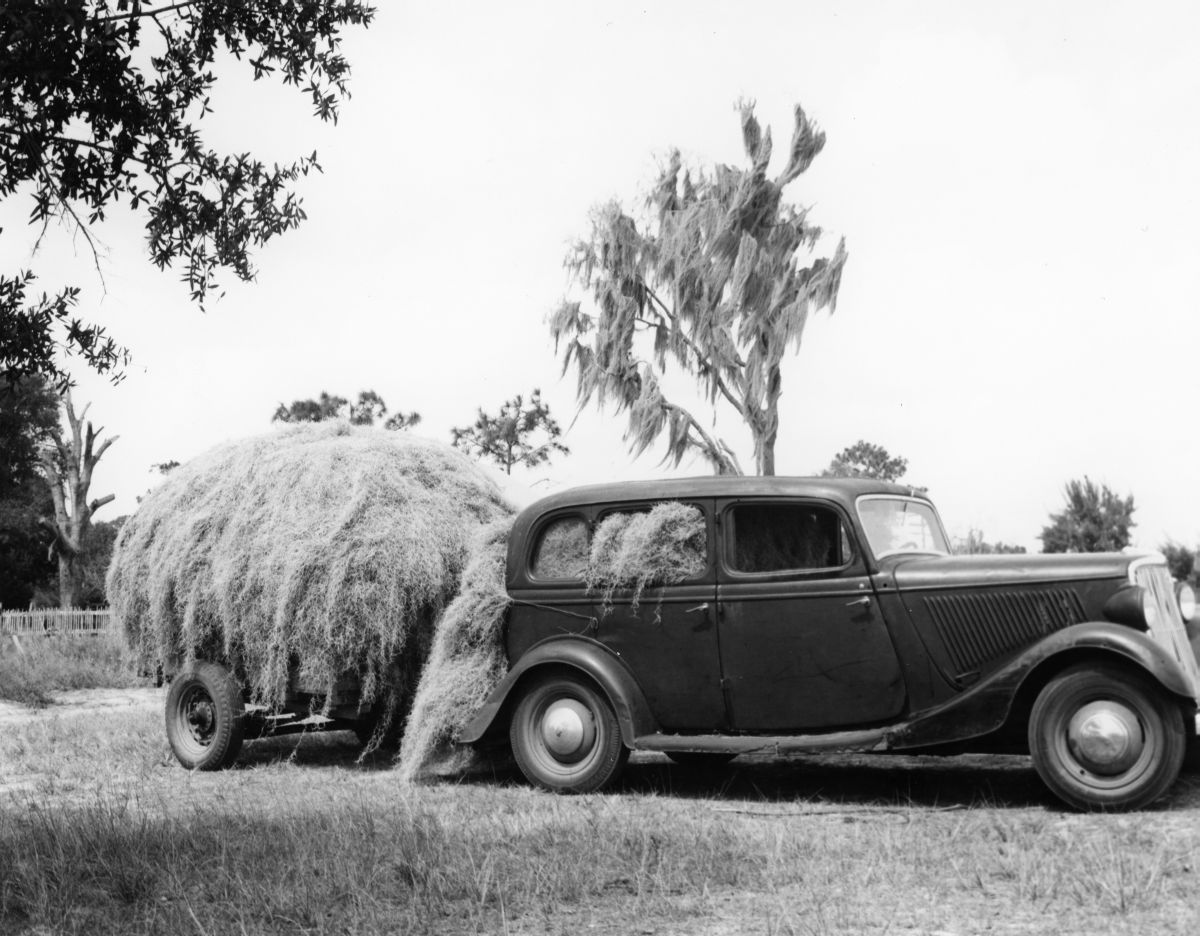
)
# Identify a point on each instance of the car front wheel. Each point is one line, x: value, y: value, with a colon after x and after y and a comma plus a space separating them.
x: 565, y: 736
x: 205, y: 717
x: 1104, y: 738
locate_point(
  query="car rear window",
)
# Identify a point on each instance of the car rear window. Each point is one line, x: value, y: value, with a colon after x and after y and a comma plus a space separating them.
x: 562, y: 549
x: 786, y: 537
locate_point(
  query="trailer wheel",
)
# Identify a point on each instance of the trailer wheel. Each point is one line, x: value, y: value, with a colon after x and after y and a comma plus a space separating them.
x: 205, y: 717
x: 1104, y: 738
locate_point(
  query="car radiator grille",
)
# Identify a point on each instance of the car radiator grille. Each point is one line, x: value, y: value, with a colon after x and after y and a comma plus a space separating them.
x: 983, y: 626
x: 1169, y: 630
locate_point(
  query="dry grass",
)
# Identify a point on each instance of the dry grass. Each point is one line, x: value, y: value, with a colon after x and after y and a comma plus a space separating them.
x: 318, y: 550
x: 101, y: 833
x: 33, y: 667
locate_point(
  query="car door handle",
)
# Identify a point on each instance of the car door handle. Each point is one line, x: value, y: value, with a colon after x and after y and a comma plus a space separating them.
x: 859, y: 603
x: 700, y: 607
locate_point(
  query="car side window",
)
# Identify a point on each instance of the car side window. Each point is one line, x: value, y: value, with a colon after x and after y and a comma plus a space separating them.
x: 786, y: 537
x: 562, y: 549
x: 658, y: 544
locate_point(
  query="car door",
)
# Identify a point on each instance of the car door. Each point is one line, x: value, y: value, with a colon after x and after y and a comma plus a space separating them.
x: 803, y: 644
x: 667, y: 636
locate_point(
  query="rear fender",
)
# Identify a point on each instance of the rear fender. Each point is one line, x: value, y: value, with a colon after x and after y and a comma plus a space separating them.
x: 572, y: 652
x: 986, y: 706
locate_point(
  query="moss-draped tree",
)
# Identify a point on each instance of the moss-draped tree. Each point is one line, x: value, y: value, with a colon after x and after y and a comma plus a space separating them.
x: 712, y: 285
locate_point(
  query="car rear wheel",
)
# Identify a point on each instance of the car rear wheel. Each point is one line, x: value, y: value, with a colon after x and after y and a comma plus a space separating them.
x: 205, y: 717
x: 1104, y: 738
x: 565, y: 736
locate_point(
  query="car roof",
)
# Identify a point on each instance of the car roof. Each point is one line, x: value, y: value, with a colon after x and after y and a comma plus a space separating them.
x: 842, y: 490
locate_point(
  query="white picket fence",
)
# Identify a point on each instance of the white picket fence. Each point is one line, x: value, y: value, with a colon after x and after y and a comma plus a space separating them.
x: 55, y: 621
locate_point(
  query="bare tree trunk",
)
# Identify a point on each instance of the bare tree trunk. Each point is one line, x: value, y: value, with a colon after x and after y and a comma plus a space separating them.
x: 765, y: 461
x: 67, y: 470
x: 70, y: 582
x: 766, y: 426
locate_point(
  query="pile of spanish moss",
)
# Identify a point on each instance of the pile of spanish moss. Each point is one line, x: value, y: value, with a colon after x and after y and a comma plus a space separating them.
x: 309, y: 553
x: 465, y: 665
x: 662, y: 546
x: 629, y: 551
x: 322, y: 551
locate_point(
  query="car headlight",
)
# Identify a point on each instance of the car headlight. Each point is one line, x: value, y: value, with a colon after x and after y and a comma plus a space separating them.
x: 1149, y: 608
x: 1187, y: 600
x: 1133, y: 606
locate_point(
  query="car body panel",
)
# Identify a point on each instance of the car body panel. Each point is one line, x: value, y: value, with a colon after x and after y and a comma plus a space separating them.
x: 909, y: 651
x: 582, y: 655
x: 669, y: 638
x: 985, y: 707
x: 807, y: 653
x: 982, y: 571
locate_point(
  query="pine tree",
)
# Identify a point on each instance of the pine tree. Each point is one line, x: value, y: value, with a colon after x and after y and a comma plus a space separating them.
x: 522, y: 433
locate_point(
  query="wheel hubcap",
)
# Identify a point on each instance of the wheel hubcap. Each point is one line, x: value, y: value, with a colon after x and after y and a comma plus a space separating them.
x: 200, y: 718
x: 568, y: 729
x: 1105, y: 737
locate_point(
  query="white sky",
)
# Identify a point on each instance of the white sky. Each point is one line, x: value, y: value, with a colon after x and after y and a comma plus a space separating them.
x: 1016, y: 183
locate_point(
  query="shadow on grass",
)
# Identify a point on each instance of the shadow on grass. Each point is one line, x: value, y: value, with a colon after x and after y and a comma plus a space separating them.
x: 860, y: 780
x: 314, y: 749
x: 864, y: 780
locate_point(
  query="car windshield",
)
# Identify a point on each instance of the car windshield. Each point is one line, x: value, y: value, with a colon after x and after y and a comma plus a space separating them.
x: 901, y: 525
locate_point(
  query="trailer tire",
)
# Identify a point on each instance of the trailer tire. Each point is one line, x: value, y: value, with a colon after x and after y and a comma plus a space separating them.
x: 206, y: 717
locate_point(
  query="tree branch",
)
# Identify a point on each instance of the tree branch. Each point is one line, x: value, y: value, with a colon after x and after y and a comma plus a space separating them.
x: 60, y: 545
x: 138, y: 13
x: 153, y: 168
x: 717, y: 452
x: 741, y: 406
x: 738, y: 403
x: 80, y: 226
x: 54, y: 482
x: 666, y: 312
x: 103, y: 448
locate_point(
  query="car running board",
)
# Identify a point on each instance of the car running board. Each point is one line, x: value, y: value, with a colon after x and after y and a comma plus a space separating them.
x: 840, y: 742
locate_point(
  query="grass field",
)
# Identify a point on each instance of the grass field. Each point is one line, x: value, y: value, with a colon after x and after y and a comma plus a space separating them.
x: 101, y: 832
x: 33, y: 667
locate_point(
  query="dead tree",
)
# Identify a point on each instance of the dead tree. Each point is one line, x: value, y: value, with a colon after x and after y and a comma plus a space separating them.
x: 67, y: 466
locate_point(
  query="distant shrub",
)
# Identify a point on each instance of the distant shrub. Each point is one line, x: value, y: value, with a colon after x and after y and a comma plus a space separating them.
x: 974, y: 544
x: 1181, y: 561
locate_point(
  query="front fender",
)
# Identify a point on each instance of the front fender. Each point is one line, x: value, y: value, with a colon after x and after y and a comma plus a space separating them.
x: 586, y: 656
x: 986, y: 706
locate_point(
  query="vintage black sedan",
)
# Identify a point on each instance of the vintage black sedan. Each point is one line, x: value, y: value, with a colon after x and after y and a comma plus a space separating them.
x: 822, y: 615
